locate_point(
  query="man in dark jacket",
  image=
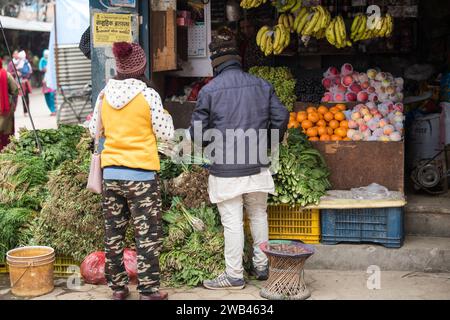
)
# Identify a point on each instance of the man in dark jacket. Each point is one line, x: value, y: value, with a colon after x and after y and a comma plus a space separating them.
x: 237, y: 114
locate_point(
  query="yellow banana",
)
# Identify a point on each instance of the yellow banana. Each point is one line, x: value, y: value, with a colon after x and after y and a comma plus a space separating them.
x: 330, y: 33
x: 261, y: 33
x: 311, y: 23
x: 269, y: 46
x: 299, y: 17
x: 291, y: 22
x: 297, y: 6
x: 303, y: 22
x: 277, y: 37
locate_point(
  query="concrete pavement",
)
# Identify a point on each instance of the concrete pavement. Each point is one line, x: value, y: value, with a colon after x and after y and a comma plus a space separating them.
x: 39, y: 112
x: 323, y: 284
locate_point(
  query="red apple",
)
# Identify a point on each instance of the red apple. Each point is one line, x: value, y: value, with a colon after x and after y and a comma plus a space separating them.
x: 352, y: 124
x: 337, y: 80
x: 339, y: 97
x: 340, y: 88
x: 363, y: 127
x: 371, y: 90
x: 333, y: 70
x: 347, y: 81
x: 362, y: 96
x: 326, y: 82
x: 355, y: 88
x: 327, y: 97
x: 373, y: 97
x: 365, y: 85
x: 346, y: 69
x: 350, y: 96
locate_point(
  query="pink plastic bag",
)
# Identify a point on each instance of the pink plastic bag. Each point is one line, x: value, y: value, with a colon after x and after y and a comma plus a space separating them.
x: 93, y: 267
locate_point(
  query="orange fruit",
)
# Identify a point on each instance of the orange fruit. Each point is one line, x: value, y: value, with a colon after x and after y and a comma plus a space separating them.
x: 347, y: 139
x: 314, y: 139
x: 302, y: 115
x: 341, y: 106
x: 344, y: 124
x: 328, y: 116
x: 311, y: 132
x: 293, y: 114
x: 313, y: 117
x: 293, y: 124
x: 320, y: 116
x: 330, y: 131
x: 342, y: 132
x: 339, y: 116
x: 325, y: 137
x: 335, y: 138
x: 311, y: 109
x: 321, y: 131
x: 321, y: 123
x: 334, y: 110
x: 322, y: 109
x: 306, y: 124
x: 334, y: 124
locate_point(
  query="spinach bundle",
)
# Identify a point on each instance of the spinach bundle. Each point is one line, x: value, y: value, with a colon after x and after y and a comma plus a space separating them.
x: 189, y: 256
x: 13, y: 226
x: 22, y: 181
x: 58, y: 145
x: 302, y: 176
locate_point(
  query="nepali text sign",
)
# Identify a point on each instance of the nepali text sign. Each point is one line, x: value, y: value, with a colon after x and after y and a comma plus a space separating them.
x: 110, y: 28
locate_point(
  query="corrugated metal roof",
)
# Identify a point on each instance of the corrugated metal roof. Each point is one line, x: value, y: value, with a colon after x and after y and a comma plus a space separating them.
x: 19, y: 24
x: 73, y: 73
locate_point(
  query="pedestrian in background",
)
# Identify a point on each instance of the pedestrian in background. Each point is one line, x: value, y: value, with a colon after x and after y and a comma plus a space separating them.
x: 49, y: 93
x: 8, y: 98
x: 24, y: 72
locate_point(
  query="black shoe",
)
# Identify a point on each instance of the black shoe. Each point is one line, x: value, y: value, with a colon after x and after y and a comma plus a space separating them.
x: 121, y: 294
x: 261, y: 273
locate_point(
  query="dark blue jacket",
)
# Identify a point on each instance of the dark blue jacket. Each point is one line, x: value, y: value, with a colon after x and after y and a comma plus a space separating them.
x: 237, y: 100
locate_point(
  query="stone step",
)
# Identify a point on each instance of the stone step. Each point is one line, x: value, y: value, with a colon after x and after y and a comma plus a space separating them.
x: 418, y: 254
x: 427, y: 216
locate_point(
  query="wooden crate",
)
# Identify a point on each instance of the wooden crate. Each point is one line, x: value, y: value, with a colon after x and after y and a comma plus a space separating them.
x: 356, y: 164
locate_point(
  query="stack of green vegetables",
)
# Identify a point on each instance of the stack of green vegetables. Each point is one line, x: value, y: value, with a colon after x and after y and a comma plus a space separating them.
x: 193, y: 244
x: 282, y: 80
x: 302, y: 176
x: 24, y: 177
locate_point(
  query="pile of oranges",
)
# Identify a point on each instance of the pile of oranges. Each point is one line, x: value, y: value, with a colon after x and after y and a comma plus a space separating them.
x: 321, y: 123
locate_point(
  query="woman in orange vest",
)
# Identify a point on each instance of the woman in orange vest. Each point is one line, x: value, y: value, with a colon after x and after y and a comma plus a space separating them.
x: 133, y: 119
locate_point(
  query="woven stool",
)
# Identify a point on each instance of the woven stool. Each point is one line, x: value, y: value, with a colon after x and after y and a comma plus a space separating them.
x: 286, y: 276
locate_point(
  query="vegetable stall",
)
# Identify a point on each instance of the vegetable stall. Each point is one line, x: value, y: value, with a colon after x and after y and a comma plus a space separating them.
x: 336, y: 67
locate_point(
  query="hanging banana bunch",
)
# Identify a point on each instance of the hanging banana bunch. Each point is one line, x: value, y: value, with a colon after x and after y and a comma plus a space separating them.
x: 362, y: 30
x: 287, y: 5
x: 249, y: 4
x: 287, y: 19
x: 312, y: 23
x: 273, y: 40
x: 336, y: 33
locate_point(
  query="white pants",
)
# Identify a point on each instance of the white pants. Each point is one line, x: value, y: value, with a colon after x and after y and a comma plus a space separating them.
x: 231, y: 214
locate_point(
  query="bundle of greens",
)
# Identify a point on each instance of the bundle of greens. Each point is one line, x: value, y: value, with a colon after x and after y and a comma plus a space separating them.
x: 282, y: 80
x: 302, y: 176
x: 22, y: 181
x: 58, y: 144
x: 191, y: 255
x: 13, y: 226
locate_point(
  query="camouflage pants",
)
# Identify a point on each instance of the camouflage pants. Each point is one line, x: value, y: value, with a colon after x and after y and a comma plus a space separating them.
x: 140, y: 201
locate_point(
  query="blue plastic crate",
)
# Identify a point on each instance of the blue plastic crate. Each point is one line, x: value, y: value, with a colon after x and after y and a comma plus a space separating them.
x: 381, y: 225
